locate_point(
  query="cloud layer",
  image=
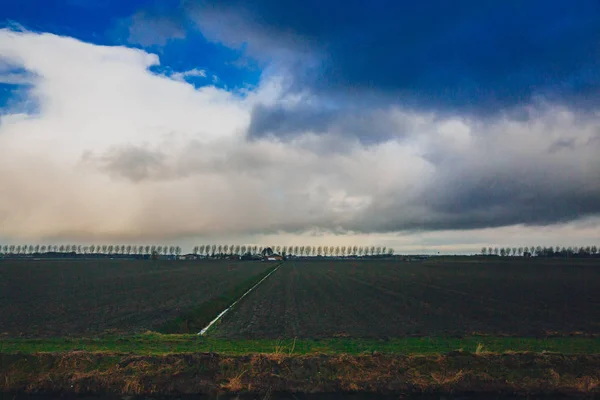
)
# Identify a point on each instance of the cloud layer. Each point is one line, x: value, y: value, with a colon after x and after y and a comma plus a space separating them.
x: 109, y: 150
x: 470, y: 56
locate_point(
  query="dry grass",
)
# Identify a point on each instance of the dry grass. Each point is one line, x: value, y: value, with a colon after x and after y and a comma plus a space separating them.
x: 234, y: 384
x: 587, y: 384
x: 479, y: 349
x: 446, y: 378
x: 263, y: 373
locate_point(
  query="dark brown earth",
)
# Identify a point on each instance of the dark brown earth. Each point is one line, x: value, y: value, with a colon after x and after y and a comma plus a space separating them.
x: 180, y: 374
x: 527, y: 297
x: 84, y: 297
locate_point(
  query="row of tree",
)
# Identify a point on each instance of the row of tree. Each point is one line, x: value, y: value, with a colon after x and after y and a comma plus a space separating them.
x: 92, y: 249
x: 542, y: 251
x: 214, y: 250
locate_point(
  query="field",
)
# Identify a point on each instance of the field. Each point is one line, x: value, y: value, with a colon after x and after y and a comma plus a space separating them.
x: 454, y: 325
x: 384, y: 299
x: 49, y: 298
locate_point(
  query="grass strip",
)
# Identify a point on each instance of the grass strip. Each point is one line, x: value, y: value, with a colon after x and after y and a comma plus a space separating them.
x: 160, y: 344
x: 197, y: 318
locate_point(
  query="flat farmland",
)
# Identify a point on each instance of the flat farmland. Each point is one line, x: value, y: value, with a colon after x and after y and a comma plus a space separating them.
x: 81, y: 297
x: 378, y: 299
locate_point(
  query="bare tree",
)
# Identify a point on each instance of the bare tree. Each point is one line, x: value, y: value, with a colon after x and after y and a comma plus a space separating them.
x: 594, y: 250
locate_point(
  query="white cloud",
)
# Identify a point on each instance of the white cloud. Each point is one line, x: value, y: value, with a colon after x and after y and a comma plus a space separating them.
x: 115, y: 152
x: 193, y: 73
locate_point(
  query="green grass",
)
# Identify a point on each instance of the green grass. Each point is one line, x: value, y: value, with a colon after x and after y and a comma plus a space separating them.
x: 196, y: 319
x: 154, y: 344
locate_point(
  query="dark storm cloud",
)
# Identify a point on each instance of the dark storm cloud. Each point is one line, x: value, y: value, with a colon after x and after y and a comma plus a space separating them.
x: 366, y: 125
x: 496, y: 188
x: 470, y: 56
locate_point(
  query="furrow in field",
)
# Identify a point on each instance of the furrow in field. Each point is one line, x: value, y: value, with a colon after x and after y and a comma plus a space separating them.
x: 387, y: 299
x: 86, y: 297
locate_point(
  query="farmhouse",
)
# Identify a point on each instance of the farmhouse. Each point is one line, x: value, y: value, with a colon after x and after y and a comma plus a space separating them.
x: 268, y: 255
x: 273, y: 257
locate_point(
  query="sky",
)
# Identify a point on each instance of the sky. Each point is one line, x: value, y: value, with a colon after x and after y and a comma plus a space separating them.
x: 425, y: 127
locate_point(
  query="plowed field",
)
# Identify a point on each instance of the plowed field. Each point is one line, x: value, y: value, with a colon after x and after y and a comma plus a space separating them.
x: 435, y: 298
x: 82, y: 297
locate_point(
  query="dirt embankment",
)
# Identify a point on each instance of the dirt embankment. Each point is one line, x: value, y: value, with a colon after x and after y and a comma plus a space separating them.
x: 207, y: 373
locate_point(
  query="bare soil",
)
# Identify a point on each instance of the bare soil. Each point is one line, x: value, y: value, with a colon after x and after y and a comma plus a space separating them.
x: 379, y: 299
x: 48, y: 298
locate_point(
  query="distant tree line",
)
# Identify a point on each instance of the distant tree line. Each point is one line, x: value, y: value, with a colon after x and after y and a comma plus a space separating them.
x: 541, y: 251
x: 218, y: 250
x: 209, y: 251
x: 124, y: 250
